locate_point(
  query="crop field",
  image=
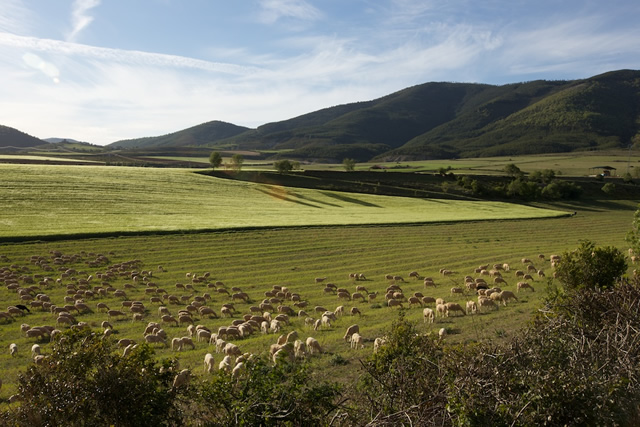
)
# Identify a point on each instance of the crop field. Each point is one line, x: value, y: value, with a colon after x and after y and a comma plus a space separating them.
x: 256, y: 260
x: 50, y: 200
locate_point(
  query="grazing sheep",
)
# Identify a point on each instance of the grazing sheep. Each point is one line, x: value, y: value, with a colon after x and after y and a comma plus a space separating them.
x: 524, y: 285
x: 354, y: 311
x: 176, y: 344
x: 394, y: 303
x: 313, y: 345
x: 472, y: 307
x: 442, y: 333
x: 453, y: 307
x: 238, y: 370
x: 13, y: 349
x: 209, y: 362
x: 441, y: 310
x: 507, y: 295
x: 35, y: 350
x: 428, y: 300
x: 300, y: 349
x: 155, y: 339
x: 357, y: 341
x: 231, y: 349
x: 181, y: 379
x: 427, y: 315
x: 378, y: 343
x: 456, y: 290
x: 350, y: 331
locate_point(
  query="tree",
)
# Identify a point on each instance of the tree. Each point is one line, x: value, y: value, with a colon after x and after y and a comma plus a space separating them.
x: 590, y: 267
x: 513, y: 171
x: 86, y: 381
x: 349, y: 164
x: 236, y: 162
x: 633, y: 237
x: 609, y: 188
x: 215, y: 159
x: 283, y: 166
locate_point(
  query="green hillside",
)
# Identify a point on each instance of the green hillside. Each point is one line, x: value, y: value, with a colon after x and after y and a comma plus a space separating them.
x: 13, y: 138
x: 201, y: 135
x: 451, y: 120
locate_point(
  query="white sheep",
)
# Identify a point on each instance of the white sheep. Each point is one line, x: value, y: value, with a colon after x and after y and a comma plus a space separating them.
x: 377, y: 343
x: 428, y: 315
x: 208, y: 362
x: 181, y: 379
x: 313, y: 345
x: 35, y: 350
x: 350, y: 331
x: 356, y: 341
x: 13, y: 349
x: 238, y: 370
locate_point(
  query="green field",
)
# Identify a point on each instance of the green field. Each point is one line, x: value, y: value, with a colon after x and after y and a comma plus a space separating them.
x: 257, y: 259
x: 43, y: 200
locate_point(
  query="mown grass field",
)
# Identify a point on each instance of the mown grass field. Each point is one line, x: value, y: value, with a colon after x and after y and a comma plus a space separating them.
x: 48, y: 200
x: 255, y: 260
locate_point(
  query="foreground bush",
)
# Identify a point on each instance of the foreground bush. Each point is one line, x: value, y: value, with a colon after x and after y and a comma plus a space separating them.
x: 85, y: 382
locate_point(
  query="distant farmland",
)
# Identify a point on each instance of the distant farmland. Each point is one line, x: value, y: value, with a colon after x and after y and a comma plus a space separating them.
x: 44, y: 200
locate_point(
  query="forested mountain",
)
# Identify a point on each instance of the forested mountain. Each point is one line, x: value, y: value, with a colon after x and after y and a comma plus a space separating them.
x: 13, y: 138
x: 436, y: 120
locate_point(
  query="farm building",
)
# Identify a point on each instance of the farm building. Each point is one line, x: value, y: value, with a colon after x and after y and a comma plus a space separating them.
x: 604, y: 170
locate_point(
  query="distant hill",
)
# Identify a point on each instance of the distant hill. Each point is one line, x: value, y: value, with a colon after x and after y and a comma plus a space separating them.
x: 69, y: 140
x: 13, y: 138
x: 444, y: 120
x: 206, y: 134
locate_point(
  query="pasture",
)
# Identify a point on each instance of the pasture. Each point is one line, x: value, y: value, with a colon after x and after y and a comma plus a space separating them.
x: 257, y: 259
x: 53, y: 200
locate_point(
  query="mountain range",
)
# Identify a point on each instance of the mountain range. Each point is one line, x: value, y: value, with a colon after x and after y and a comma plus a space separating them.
x: 441, y: 120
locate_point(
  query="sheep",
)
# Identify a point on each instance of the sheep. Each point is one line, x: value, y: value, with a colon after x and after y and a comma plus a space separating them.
x: 313, y: 345
x: 457, y: 290
x: 13, y: 349
x: 203, y: 335
x: 507, y: 295
x: 350, y: 331
x: 394, y: 303
x: 428, y: 300
x: 320, y: 279
x: 237, y: 370
x: 451, y: 307
x: 168, y: 319
x: 524, y: 285
x: 378, y: 343
x: 442, y: 333
x: 472, y: 307
x: 354, y: 311
x: 181, y: 379
x: 187, y: 341
x: 155, y: 339
x: 292, y: 336
x: 300, y: 349
x: 176, y: 344
x: 414, y: 274
x: 231, y: 349
x: 35, y: 350
x: 225, y: 364
x: 415, y: 300
x: 220, y: 345
x: 356, y: 341
x: 427, y: 315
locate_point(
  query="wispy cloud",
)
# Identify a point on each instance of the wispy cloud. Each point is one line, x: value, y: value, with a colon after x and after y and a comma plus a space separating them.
x: 80, y: 18
x: 118, y: 55
x: 273, y: 10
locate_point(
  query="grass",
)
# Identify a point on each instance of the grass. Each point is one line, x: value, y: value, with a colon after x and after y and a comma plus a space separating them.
x: 54, y: 200
x: 255, y: 260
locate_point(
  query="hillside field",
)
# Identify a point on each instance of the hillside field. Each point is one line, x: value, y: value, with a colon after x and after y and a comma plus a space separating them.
x: 49, y: 200
x: 255, y: 260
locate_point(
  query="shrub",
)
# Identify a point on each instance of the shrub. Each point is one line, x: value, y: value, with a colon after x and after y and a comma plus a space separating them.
x: 85, y: 382
x: 590, y: 267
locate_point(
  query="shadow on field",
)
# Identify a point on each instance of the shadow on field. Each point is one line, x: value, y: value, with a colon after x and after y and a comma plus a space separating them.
x: 283, y: 195
x: 348, y: 199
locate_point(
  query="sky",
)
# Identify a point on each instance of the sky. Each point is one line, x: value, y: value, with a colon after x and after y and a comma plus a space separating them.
x: 101, y: 71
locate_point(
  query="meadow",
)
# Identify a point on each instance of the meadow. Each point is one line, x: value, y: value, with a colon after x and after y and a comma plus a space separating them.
x: 50, y: 200
x: 289, y: 253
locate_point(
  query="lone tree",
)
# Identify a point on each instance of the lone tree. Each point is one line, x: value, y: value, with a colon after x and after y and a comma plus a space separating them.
x: 236, y: 162
x: 283, y: 166
x: 513, y: 170
x: 349, y: 164
x: 591, y: 267
x: 215, y: 159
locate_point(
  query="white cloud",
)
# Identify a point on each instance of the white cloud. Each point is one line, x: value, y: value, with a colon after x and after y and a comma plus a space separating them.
x: 273, y: 10
x: 79, y: 17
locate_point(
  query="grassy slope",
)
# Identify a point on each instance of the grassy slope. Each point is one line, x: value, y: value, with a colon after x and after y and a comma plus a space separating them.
x: 255, y: 260
x: 42, y: 200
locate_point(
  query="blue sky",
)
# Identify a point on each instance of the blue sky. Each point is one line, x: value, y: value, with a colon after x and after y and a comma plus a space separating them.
x: 105, y: 70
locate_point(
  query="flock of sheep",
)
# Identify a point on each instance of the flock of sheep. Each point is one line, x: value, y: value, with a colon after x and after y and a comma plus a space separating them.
x: 182, y: 316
